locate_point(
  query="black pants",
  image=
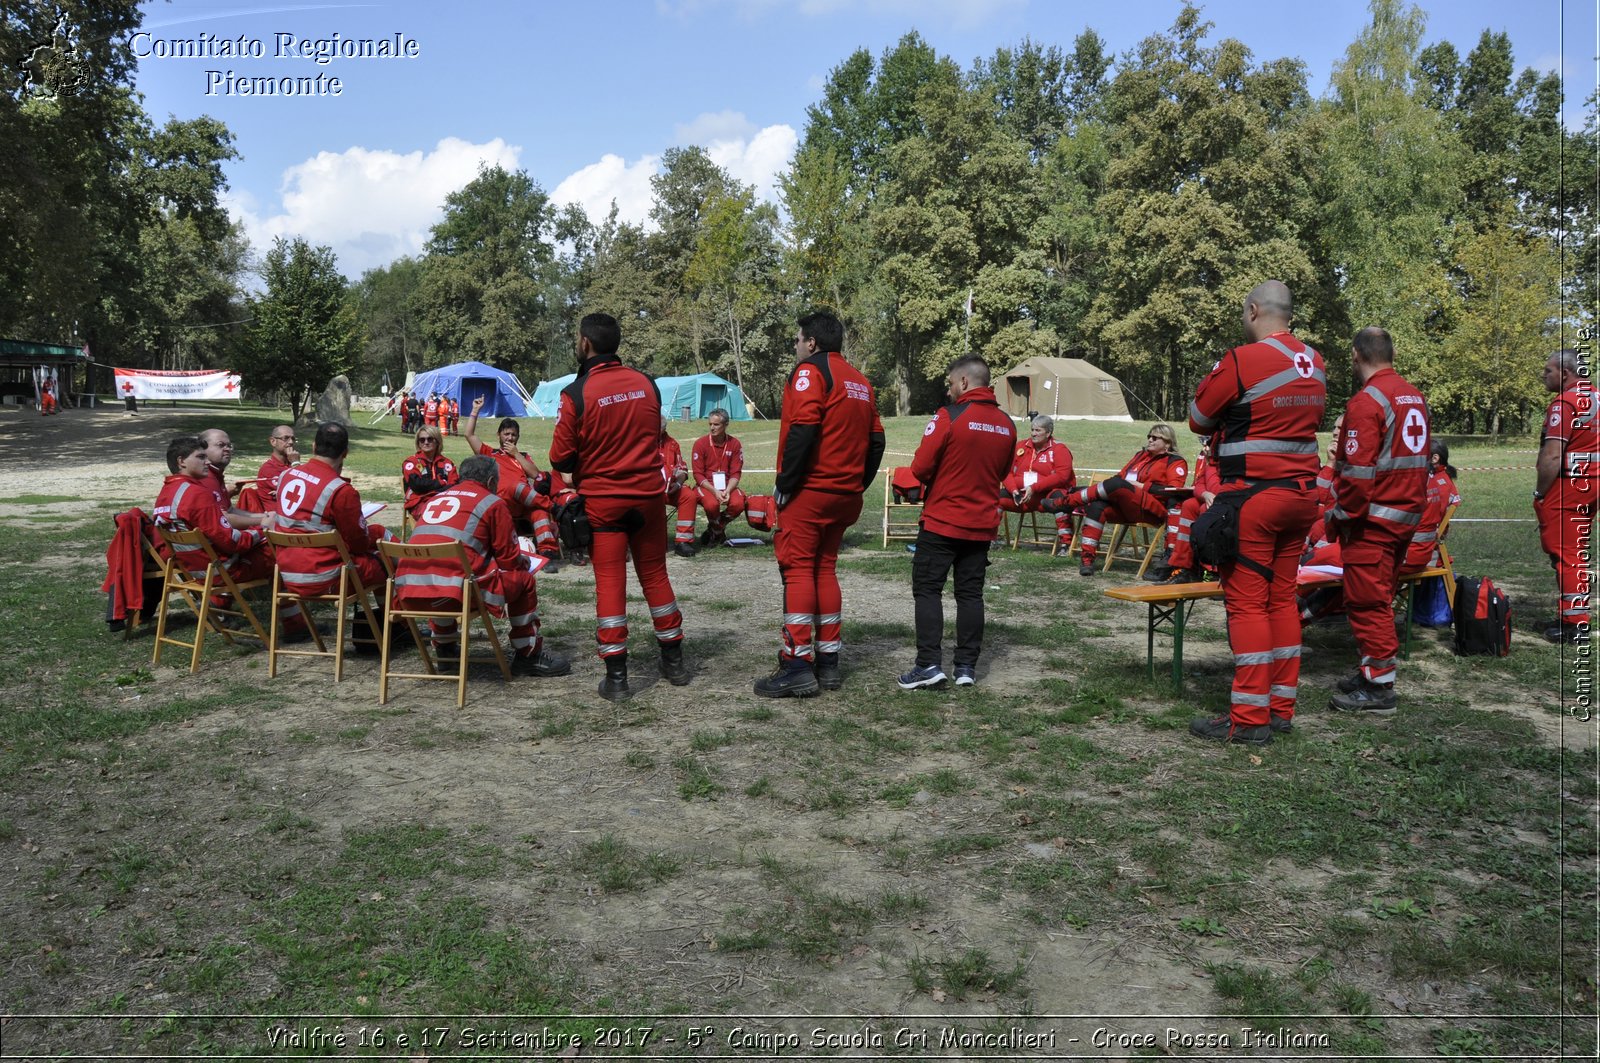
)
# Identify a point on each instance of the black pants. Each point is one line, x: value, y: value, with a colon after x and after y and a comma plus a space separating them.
x: 936, y: 555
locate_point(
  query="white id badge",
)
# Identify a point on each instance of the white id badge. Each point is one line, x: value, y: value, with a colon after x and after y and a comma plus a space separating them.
x: 719, y: 480
x: 1029, y: 479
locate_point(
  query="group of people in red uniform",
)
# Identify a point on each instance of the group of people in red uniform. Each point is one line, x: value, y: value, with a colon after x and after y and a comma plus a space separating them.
x: 437, y: 411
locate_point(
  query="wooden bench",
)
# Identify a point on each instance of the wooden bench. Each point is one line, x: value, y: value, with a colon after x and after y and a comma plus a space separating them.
x: 1170, y: 604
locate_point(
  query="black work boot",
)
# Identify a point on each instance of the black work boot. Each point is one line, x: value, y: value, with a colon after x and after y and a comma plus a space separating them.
x: 673, y: 670
x: 614, y: 687
x: 1373, y: 699
x: 683, y: 549
x: 828, y: 677
x: 793, y: 679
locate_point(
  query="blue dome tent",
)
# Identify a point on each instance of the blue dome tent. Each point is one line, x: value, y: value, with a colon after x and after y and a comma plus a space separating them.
x: 503, y: 394
x: 700, y: 394
x: 546, y: 400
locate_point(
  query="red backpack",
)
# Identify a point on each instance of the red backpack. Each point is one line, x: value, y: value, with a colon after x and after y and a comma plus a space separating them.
x: 761, y: 512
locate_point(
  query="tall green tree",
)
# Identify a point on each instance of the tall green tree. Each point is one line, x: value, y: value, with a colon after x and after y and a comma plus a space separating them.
x: 305, y: 331
x: 490, y: 262
x: 389, y: 320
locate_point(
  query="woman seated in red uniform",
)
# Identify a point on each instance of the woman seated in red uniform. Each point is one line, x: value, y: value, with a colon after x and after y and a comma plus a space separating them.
x: 1442, y: 494
x: 1127, y: 498
x: 426, y: 471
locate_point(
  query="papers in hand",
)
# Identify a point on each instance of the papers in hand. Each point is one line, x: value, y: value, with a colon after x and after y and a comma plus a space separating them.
x: 536, y: 560
x: 372, y: 509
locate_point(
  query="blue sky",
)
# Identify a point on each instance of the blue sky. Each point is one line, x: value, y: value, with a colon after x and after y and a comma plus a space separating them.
x: 586, y: 96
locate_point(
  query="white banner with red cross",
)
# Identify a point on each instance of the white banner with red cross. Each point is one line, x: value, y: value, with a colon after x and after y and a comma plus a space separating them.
x: 177, y: 384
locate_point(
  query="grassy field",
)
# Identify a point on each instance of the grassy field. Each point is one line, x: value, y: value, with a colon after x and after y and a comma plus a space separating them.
x: 222, y: 864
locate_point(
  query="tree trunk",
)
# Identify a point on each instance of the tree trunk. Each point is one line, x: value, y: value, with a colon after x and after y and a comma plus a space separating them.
x: 738, y: 349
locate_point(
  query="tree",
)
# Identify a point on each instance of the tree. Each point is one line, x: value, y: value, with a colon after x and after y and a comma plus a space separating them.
x: 304, y: 333
x: 490, y: 262
x: 389, y: 318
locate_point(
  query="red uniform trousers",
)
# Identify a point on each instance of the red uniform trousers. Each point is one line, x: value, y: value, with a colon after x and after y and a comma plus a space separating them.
x: 1179, y: 522
x: 612, y: 546
x: 1373, y: 554
x: 1115, y: 501
x: 1263, y: 619
x: 806, y: 544
x: 1566, y: 533
x: 716, y: 516
x: 517, y: 599
x: 685, y: 498
x: 1054, y: 502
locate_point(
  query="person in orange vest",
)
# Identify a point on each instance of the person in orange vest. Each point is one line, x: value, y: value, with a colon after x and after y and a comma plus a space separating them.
x: 1568, y: 468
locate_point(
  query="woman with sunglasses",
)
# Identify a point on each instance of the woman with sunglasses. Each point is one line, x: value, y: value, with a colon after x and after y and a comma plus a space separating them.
x: 1127, y: 498
x: 426, y: 471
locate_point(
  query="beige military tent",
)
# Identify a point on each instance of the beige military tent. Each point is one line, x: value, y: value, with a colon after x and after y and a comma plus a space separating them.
x: 1063, y: 387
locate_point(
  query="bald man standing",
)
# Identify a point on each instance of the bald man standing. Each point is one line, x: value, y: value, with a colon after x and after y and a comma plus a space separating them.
x: 1263, y: 402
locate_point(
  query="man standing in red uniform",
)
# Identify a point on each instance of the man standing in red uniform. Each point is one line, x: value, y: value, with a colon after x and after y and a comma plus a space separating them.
x: 315, y: 497
x: 284, y: 457
x: 964, y: 450
x: 519, y: 475
x: 1564, y: 493
x: 718, y: 458
x: 430, y: 410
x: 830, y: 443
x: 1379, y: 490
x: 1040, y: 477
x: 607, y: 444
x: 1263, y: 403
x: 472, y: 514
x: 675, y: 474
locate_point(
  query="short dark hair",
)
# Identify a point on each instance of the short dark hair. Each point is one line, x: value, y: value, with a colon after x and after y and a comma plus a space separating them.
x: 824, y: 328
x: 509, y: 422
x: 332, y: 440
x: 1374, y: 346
x: 602, y: 332
x: 718, y: 412
x: 482, y: 469
x: 181, y: 448
x: 974, y: 366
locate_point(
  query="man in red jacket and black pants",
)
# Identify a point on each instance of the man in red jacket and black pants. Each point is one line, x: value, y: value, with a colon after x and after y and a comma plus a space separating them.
x: 964, y: 453
x: 1380, y: 488
x: 1262, y: 404
x: 607, y: 443
x: 829, y: 445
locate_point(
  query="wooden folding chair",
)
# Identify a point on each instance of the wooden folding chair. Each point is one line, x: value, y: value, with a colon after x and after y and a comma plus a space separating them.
x: 901, y: 520
x: 351, y: 592
x: 1445, y: 561
x: 1028, y: 523
x: 471, y: 606
x: 197, y: 590
x: 1150, y: 539
x: 155, y: 567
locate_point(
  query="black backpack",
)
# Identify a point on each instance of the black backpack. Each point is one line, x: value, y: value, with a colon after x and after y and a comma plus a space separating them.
x: 1482, y: 618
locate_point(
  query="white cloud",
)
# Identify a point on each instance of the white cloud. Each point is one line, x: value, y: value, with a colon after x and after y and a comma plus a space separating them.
x: 597, y: 185
x: 370, y: 206
x: 754, y: 160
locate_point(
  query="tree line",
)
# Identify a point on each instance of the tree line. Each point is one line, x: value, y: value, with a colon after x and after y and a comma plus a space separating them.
x: 1043, y: 201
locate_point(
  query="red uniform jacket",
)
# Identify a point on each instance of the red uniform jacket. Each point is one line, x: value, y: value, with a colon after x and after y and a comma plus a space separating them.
x: 467, y: 514
x: 187, y: 504
x: 831, y: 437
x: 267, y: 476
x: 440, y: 469
x: 1570, y: 418
x: 964, y: 452
x: 514, y: 485
x: 671, y: 462
x: 608, y: 430
x: 430, y: 412
x: 312, y: 497
x: 707, y: 458
x: 1156, y: 470
x: 1264, y: 402
x: 1052, y: 466
x: 1205, y: 477
x: 1383, y: 470
x: 1442, y: 494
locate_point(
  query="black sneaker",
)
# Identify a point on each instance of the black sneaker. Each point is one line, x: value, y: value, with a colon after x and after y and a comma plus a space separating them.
x: 966, y: 675
x: 922, y: 676
x: 1086, y: 568
x: 1559, y: 633
x: 789, y: 682
x: 1351, y: 683
x: 683, y: 549
x: 1282, y: 725
x: 1370, y: 698
x: 1158, y: 573
x: 543, y: 664
x: 447, y: 657
x: 1223, y: 729
x: 552, y: 564
x: 828, y: 677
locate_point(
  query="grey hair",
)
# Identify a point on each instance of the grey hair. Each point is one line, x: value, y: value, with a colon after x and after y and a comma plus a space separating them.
x: 1047, y: 423
x: 481, y: 469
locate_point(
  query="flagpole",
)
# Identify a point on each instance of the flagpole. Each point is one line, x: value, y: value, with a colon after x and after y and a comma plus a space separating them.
x: 966, y: 339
